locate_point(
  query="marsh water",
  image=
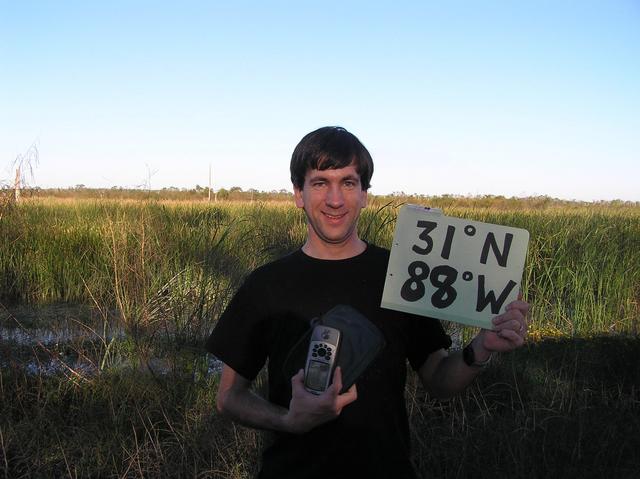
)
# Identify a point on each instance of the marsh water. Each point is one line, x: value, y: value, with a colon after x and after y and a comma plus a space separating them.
x: 59, y: 338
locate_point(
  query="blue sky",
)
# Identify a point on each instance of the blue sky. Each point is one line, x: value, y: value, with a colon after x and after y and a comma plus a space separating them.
x: 507, y: 98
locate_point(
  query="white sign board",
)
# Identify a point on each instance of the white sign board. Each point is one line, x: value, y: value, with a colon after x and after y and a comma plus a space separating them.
x: 453, y: 269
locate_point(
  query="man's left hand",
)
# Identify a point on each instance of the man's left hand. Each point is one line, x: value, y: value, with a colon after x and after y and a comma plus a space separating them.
x: 509, y: 329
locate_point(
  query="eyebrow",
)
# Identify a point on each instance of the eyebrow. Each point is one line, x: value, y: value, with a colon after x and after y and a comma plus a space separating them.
x: 320, y: 177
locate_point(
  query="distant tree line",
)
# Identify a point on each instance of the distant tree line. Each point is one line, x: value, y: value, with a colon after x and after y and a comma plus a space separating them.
x: 198, y: 193
x: 236, y: 193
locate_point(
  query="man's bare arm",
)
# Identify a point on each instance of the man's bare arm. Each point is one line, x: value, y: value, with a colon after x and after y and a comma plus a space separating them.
x: 236, y: 400
x: 444, y: 375
x: 306, y: 411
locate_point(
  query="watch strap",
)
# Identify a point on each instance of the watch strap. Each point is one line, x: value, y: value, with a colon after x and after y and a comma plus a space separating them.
x: 469, y: 357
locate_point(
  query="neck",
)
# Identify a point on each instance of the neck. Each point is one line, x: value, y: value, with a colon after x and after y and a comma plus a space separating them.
x: 322, y: 250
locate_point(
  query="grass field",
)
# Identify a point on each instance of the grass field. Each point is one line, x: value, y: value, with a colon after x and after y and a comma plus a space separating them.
x: 160, y: 273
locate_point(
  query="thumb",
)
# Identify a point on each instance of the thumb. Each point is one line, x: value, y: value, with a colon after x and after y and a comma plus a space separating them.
x: 297, y: 380
x: 337, y: 380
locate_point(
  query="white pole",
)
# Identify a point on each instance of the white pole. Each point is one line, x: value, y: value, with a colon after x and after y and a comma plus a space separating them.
x: 16, y: 191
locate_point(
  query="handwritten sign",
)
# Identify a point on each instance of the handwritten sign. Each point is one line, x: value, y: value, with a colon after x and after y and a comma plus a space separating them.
x: 453, y: 269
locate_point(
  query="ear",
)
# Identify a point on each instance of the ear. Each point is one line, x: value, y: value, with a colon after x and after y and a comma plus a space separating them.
x: 365, y: 197
x: 297, y: 194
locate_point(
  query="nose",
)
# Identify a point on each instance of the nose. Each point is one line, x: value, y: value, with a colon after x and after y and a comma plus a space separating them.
x: 334, y: 198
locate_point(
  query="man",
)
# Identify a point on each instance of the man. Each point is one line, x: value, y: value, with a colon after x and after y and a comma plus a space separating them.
x: 364, y: 431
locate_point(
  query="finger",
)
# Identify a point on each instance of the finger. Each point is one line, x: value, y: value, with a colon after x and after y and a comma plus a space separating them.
x: 336, y: 386
x: 522, y: 306
x: 331, y: 396
x: 522, y: 330
x: 353, y: 390
x: 348, y: 397
x: 505, y: 318
x: 297, y: 381
x: 510, y: 330
x: 511, y: 336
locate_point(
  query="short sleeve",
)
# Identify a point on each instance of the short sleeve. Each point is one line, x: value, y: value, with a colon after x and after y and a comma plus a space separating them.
x: 426, y: 335
x: 240, y: 337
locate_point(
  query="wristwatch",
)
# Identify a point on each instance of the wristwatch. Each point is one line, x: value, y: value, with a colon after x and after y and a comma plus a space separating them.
x: 469, y: 357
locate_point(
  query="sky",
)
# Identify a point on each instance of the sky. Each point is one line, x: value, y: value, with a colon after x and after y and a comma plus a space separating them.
x: 512, y: 98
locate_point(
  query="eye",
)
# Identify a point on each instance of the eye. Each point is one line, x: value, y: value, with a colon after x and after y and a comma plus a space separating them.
x: 350, y: 184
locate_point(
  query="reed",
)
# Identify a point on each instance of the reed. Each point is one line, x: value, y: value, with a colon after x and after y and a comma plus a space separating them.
x: 582, y: 273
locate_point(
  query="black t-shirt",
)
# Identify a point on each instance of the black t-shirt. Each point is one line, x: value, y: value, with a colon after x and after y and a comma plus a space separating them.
x: 273, y: 309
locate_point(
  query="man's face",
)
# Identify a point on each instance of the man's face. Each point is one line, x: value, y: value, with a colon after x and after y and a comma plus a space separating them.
x: 332, y: 200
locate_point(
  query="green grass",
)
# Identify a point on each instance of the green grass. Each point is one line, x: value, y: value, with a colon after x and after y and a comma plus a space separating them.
x: 582, y: 273
x: 565, y: 405
x: 556, y: 408
x: 118, y: 424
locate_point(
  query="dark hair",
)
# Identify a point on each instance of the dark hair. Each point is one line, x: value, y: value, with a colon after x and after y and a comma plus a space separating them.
x: 330, y: 147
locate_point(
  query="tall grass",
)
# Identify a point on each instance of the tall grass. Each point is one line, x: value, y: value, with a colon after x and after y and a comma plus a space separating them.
x: 119, y: 424
x: 582, y: 274
x: 565, y: 405
x: 555, y: 408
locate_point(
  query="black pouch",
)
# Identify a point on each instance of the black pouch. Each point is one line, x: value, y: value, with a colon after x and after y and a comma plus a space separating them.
x: 360, y: 343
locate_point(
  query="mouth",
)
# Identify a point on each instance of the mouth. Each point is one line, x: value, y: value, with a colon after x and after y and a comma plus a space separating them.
x: 334, y: 217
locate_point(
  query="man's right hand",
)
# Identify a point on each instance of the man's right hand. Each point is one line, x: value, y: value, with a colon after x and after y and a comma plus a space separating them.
x: 307, y: 410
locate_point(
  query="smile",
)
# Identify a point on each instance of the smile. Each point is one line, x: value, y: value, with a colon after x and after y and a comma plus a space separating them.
x: 334, y: 217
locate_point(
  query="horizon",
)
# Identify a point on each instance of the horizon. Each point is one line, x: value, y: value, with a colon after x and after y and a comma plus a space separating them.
x: 203, y: 190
